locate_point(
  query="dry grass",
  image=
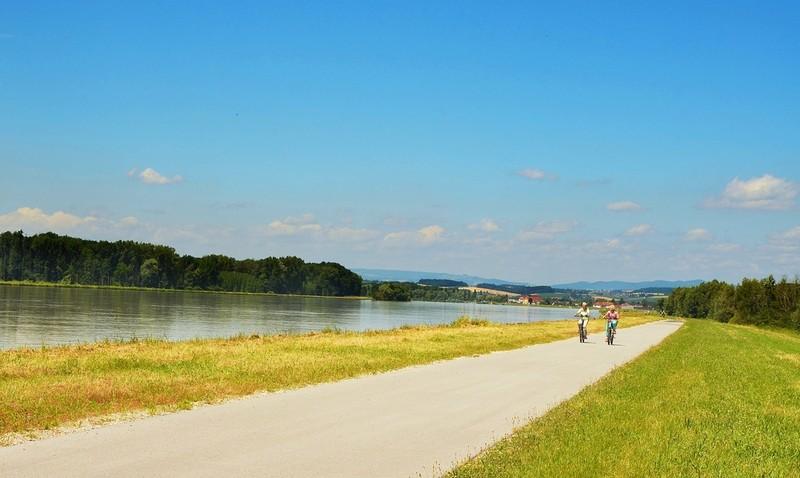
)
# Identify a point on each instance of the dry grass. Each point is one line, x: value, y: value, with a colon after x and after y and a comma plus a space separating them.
x: 44, y: 388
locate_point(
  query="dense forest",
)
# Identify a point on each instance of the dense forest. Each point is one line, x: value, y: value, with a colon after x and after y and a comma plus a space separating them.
x: 404, y: 291
x: 442, y: 283
x: 53, y: 258
x: 753, y: 301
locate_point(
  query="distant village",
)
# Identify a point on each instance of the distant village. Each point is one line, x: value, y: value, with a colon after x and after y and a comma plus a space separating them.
x: 598, y: 302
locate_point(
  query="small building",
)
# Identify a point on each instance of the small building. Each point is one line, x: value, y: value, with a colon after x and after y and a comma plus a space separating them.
x: 533, y: 299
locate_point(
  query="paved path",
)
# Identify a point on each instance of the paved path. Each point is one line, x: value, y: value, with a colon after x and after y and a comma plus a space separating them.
x: 417, y: 421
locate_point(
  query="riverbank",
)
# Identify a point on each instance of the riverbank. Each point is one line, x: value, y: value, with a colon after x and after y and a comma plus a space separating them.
x: 156, y: 289
x: 46, y: 388
x: 712, y: 400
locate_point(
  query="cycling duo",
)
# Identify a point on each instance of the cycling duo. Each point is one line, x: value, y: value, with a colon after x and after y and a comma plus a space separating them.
x: 583, y: 315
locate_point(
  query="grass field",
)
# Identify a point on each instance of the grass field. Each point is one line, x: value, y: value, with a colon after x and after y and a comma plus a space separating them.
x: 45, y: 388
x: 712, y: 400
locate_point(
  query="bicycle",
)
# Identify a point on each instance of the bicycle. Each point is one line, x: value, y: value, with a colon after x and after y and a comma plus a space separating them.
x: 583, y: 336
x: 611, y: 332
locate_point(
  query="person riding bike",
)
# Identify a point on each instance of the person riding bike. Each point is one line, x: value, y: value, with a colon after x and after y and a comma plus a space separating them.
x: 583, y: 316
x: 612, y: 318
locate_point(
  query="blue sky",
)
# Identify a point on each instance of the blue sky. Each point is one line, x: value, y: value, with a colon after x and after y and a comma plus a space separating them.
x: 539, y: 143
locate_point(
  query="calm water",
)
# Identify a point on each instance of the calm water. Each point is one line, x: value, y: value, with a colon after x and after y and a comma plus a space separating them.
x: 34, y: 316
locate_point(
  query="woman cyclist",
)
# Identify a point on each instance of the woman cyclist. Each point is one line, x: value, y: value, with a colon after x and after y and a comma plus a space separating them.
x: 583, y: 316
x: 612, y: 317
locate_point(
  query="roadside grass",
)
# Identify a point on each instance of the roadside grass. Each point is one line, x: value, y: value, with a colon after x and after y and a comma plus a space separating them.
x: 45, y: 388
x: 712, y: 400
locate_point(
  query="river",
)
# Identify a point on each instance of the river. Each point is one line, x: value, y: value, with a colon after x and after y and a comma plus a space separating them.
x: 36, y: 316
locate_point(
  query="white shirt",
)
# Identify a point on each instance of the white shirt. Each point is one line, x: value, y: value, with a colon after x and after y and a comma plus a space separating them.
x: 583, y: 314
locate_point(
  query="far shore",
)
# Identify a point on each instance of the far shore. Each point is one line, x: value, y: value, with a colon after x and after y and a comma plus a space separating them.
x: 157, y: 289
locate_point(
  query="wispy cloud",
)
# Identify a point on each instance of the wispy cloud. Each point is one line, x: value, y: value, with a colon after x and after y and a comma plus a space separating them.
x: 639, y: 230
x: 766, y: 192
x: 151, y: 176
x: 697, y: 234
x: 624, y: 206
x: 292, y: 226
x: 546, y: 230
x: 308, y: 226
x: 425, y: 236
x: 535, y: 174
x: 724, y: 247
x: 485, y: 225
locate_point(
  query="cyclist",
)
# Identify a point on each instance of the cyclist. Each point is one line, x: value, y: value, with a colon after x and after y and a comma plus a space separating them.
x: 612, y: 317
x: 583, y: 316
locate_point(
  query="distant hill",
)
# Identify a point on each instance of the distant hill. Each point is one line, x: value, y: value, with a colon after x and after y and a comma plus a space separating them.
x: 384, y: 275
x: 519, y: 289
x: 621, y: 285
x: 442, y: 283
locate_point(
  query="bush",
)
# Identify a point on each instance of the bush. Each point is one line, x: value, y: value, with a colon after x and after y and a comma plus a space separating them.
x: 467, y: 321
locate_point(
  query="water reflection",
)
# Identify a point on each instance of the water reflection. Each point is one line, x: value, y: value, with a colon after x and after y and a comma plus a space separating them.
x: 34, y: 316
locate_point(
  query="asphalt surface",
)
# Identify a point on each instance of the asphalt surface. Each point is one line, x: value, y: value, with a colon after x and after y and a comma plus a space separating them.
x: 417, y: 421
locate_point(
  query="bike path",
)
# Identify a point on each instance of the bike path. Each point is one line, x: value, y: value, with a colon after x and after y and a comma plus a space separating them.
x: 417, y: 421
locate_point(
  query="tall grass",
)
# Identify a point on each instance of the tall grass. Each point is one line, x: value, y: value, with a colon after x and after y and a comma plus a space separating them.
x: 45, y: 388
x: 712, y: 400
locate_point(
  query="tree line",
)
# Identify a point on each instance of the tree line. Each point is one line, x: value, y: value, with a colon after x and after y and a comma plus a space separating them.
x: 51, y: 257
x: 753, y: 301
x: 407, y: 291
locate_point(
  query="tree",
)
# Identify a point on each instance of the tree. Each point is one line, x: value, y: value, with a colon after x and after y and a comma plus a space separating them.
x: 391, y: 291
x: 149, y: 273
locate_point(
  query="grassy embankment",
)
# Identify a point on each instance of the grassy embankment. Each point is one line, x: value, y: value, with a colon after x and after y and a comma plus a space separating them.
x: 48, y: 387
x: 28, y: 283
x: 712, y: 400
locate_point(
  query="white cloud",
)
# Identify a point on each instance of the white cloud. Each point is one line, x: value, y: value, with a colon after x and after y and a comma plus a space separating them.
x: 546, y: 230
x: 292, y: 226
x: 639, y: 230
x: 423, y: 237
x: 129, y: 221
x: 698, y: 234
x: 485, y: 225
x: 151, y: 176
x: 792, y: 235
x: 786, y: 242
x: 600, y: 247
x: 536, y: 174
x: 764, y: 192
x: 34, y: 219
x: 622, y: 206
x: 307, y: 225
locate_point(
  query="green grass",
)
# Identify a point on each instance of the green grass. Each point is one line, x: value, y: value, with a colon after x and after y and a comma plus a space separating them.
x: 45, y: 388
x: 713, y: 400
